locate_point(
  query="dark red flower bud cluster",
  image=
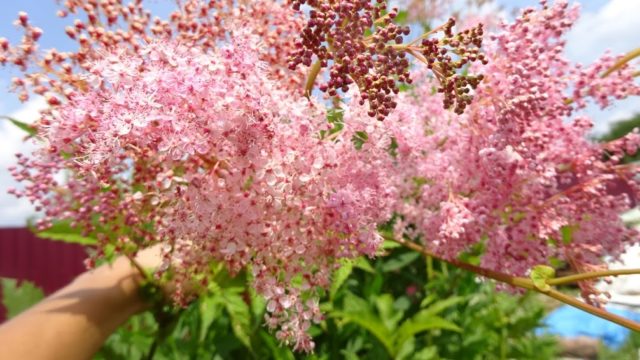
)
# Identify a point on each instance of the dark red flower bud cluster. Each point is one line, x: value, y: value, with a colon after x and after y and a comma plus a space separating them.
x: 465, y: 48
x: 359, y: 43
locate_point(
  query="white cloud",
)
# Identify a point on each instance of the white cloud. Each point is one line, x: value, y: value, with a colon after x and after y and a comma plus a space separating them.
x: 614, y: 26
x: 14, y: 212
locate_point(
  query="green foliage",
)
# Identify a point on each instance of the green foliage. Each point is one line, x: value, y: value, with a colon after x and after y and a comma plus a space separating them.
x: 385, y: 324
x: 394, y: 307
x: 30, y: 130
x: 620, y: 129
x: 400, y: 306
x: 567, y: 234
x: 540, y: 274
x: 19, y: 297
x: 335, y: 117
x: 359, y: 138
x: 62, y: 231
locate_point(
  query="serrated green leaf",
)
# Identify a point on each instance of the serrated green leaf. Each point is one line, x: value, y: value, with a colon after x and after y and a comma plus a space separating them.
x: 29, y: 129
x: 62, y: 231
x: 278, y: 352
x: 428, y: 300
x: 540, y: 274
x: 371, y: 323
x: 388, y: 245
x: 19, y: 297
x: 68, y: 238
x: 238, y: 311
x: 428, y: 353
x: 363, y: 264
x: 356, y: 310
x: 419, y: 323
x: 339, y: 277
x: 400, y: 261
x: 439, y: 306
x: 209, y: 308
x: 389, y: 315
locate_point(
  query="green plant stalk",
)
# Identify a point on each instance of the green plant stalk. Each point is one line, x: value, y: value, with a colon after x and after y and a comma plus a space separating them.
x: 311, y: 79
x: 591, y: 275
x: 512, y: 280
x: 528, y: 284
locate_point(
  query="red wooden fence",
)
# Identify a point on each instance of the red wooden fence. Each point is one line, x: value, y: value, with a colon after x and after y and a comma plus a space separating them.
x: 48, y: 264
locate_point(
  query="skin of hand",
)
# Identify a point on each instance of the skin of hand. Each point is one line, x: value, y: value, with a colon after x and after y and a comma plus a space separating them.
x: 76, y: 320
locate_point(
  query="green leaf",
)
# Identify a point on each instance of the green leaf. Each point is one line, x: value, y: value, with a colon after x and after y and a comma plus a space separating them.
x: 240, y: 316
x: 209, y: 308
x: 68, y: 238
x: 277, y: 352
x: 363, y: 264
x: 438, y: 307
x: 428, y: 300
x: 400, y: 261
x: 567, y: 234
x: 388, y: 314
x: 358, y: 139
x: 29, y: 129
x: 428, y: 353
x: 247, y: 184
x: 335, y: 117
x: 371, y: 323
x: 419, y: 323
x: 540, y: 274
x: 393, y: 148
x: 407, y: 350
x: 62, y: 231
x: 401, y: 18
x: 388, y: 244
x: 339, y: 277
x: 19, y: 297
x: 358, y: 311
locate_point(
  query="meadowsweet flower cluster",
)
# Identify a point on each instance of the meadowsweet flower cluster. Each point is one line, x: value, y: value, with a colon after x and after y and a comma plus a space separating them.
x: 202, y: 151
x: 512, y: 178
x: 99, y: 26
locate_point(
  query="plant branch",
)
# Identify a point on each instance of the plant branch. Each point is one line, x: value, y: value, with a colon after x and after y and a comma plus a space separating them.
x: 620, y: 63
x: 629, y: 324
x: 502, y: 277
x: 528, y: 284
x: 311, y: 79
x: 591, y: 275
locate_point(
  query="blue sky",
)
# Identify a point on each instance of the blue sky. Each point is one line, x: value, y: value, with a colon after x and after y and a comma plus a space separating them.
x: 604, y: 25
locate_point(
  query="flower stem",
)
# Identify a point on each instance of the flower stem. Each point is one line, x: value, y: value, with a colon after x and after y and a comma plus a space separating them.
x: 624, y: 60
x: 591, y: 275
x: 502, y: 277
x: 311, y: 79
